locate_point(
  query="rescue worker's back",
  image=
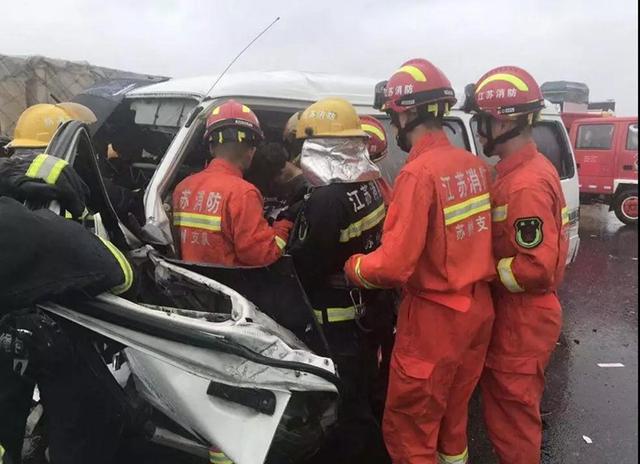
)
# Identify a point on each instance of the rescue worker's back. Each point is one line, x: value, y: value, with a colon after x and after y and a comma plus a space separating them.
x: 448, y: 247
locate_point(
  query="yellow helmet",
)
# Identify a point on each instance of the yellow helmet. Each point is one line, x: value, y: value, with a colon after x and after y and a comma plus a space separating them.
x: 37, y: 124
x: 289, y: 132
x: 78, y: 112
x: 329, y: 117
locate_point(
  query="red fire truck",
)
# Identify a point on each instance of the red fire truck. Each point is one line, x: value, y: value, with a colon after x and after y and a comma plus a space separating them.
x: 606, y: 150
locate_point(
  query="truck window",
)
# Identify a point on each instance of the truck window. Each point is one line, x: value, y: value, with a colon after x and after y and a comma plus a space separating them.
x: 595, y: 136
x: 395, y: 159
x: 552, y: 141
x: 632, y: 137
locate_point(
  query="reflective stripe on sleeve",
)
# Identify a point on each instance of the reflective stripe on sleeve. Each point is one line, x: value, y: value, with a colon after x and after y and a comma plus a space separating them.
x: 47, y: 168
x: 463, y: 210
x: 368, y: 222
x: 461, y: 458
x: 507, y: 277
x: 127, y: 271
x: 197, y: 221
x: 365, y: 282
x: 499, y: 213
x: 280, y: 242
x: 565, y: 216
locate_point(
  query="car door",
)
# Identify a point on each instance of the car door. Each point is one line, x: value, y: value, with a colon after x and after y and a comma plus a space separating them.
x: 628, y: 151
x: 594, y: 150
x: 72, y: 143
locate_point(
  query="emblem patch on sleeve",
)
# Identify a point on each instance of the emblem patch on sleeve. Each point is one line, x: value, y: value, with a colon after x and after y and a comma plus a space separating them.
x: 528, y: 232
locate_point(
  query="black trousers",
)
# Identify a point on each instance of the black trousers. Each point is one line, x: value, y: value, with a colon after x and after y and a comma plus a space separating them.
x: 84, y: 422
x: 357, y: 438
x: 15, y: 401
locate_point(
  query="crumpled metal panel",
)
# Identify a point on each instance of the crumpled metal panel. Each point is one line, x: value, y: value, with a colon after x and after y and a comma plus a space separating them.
x: 182, y: 396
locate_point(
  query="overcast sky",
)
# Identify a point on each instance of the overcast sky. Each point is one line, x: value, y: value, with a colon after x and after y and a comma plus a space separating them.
x: 592, y: 41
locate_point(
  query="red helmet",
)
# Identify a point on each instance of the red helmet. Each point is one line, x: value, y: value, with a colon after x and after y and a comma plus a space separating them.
x: 418, y: 82
x: 232, y: 121
x: 377, y: 143
x: 508, y: 92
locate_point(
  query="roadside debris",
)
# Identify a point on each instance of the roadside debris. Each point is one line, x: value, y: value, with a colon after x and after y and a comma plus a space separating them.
x: 587, y: 439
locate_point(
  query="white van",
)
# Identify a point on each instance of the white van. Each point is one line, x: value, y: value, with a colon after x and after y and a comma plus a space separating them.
x: 177, y: 109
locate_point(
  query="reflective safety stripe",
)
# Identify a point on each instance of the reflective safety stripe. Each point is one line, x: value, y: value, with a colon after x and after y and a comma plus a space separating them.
x: 565, y: 216
x: 514, y: 80
x: 1, y: 453
x: 461, y: 211
x: 336, y: 314
x: 280, y: 242
x: 124, y: 265
x: 374, y: 130
x: 218, y: 457
x: 499, y: 213
x: 368, y: 222
x: 364, y: 281
x: 197, y: 221
x: 416, y: 73
x: 507, y: 277
x: 461, y: 458
x: 47, y: 168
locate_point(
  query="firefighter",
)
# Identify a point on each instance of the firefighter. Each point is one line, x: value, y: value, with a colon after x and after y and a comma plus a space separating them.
x: 530, y: 248
x: 218, y: 214
x: 436, y: 245
x: 33, y: 347
x: 292, y: 144
x: 35, y: 128
x: 343, y: 214
x: 378, y: 149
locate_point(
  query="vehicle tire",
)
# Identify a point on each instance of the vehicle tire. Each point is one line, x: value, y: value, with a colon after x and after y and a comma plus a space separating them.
x: 625, y: 205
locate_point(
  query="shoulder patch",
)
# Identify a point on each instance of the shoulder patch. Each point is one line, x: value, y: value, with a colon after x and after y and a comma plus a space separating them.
x: 528, y: 232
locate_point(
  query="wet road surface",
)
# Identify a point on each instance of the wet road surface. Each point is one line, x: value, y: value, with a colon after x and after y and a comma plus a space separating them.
x: 600, y: 303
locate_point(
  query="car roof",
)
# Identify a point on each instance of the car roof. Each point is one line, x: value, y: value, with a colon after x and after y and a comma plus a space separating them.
x: 297, y: 86
x: 281, y: 85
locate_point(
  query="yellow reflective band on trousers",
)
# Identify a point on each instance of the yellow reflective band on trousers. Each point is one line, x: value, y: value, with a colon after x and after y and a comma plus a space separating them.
x: 336, y: 314
x: 197, y: 221
x: 499, y: 213
x: 124, y: 265
x: 507, y: 277
x: 280, y: 242
x: 461, y: 458
x: 368, y: 222
x: 47, y: 168
x: 1, y: 453
x: 463, y: 210
x: 565, y: 216
x: 218, y: 457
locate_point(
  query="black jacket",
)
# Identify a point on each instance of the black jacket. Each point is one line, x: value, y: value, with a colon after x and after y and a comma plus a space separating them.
x: 337, y: 221
x: 44, y: 255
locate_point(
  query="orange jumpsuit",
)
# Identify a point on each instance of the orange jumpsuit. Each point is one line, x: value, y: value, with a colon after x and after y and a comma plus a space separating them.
x: 219, y: 218
x: 436, y: 244
x: 530, y: 247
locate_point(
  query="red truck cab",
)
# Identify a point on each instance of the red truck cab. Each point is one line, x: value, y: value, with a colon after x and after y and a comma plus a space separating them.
x: 606, y: 150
